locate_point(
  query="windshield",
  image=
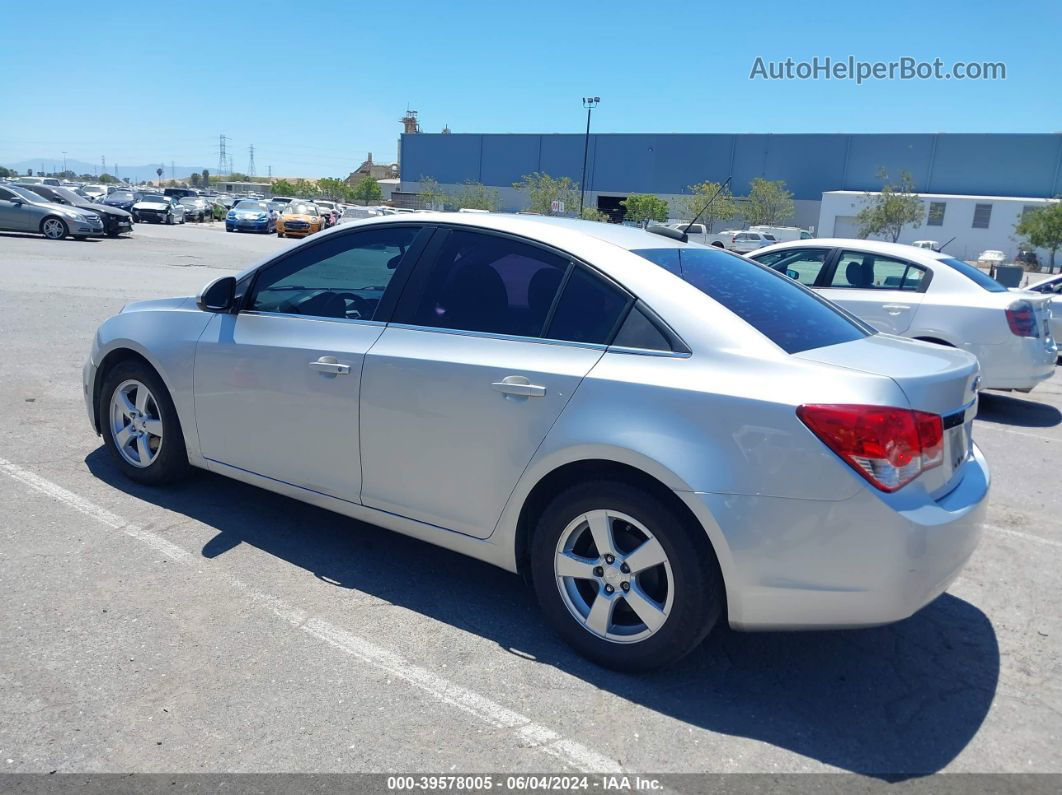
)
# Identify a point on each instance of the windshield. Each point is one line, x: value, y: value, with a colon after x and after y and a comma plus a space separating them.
x: 787, y: 313
x: 94, y: 189
x: 153, y: 197
x: 121, y: 195
x: 979, y: 277
x: 300, y: 209
x: 26, y: 193
x: 252, y: 205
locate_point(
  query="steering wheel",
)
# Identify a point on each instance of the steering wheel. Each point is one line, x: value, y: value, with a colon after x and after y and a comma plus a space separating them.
x: 362, y: 306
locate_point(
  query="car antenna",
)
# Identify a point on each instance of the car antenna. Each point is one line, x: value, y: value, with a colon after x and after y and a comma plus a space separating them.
x: 941, y: 248
x: 667, y: 231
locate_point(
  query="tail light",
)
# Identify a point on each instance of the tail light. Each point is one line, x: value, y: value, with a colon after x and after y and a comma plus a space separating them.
x: 1022, y: 319
x: 889, y: 447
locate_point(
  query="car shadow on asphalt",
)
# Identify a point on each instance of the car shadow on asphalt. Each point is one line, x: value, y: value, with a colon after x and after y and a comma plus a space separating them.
x: 1010, y: 410
x: 891, y: 702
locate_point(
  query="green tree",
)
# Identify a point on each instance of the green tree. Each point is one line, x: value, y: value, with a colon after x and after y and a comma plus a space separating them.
x: 6, y: 172
x: 644, y: 207
x: 722, y: 207
x: 1042, y: 228
x: 593, y: 214
x: 334, y: 189
x: 106, y: 179
x: 432, y: 195
x: 888, y: 212
x: 367, y: 191
x: 194, y: 179
x: 477, y: 196
x: 768, y: 203
x: 542, y: 190
x: 206, y: 178
x: 282, y: 187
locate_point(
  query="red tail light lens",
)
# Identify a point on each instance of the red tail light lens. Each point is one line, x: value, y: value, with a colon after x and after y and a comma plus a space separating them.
x: 889, y: 447
x: 1022, y: 319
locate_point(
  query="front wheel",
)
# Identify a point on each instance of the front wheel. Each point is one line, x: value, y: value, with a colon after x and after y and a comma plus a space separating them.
x: 624, y: 577
x: 140, y: 425
x: 54, y: 228
x: 280, y: 234
x: 169, y: 219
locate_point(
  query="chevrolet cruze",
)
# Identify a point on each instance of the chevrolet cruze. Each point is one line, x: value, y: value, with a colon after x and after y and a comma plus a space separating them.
x: 660, y: 435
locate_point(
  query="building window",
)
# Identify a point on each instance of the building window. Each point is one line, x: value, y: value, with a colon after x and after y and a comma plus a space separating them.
x: 1028, y: 208
x: 936, y: 214
x: 982, y: 215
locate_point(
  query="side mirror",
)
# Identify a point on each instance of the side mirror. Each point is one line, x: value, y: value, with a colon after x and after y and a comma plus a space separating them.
x: 218, y: 296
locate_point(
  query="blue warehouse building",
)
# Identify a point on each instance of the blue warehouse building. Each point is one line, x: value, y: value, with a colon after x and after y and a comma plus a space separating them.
x: 1027, y: 165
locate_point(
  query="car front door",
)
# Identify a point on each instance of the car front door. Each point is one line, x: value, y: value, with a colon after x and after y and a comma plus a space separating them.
x: 491, y: 339
x: 277, y: 384
x: 16, y: 213
x: 883, y: 291
x: 802, y: 264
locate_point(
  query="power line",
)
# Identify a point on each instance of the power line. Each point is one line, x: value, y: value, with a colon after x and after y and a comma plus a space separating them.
x: 223, y: 158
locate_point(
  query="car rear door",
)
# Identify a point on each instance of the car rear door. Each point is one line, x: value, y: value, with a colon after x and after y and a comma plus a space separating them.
x: 277, y: 384
x: 492, y: 337
x: 883, y: 291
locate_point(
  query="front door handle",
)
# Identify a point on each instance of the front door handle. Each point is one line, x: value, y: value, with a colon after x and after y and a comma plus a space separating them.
x: 330, y: 365
x: 518, y: 386
x: 895, y: 309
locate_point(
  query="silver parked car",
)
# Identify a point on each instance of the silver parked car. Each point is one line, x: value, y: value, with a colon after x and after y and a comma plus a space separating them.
x: 22, y: 210
x: 657, y: 452
x: 156, y: 208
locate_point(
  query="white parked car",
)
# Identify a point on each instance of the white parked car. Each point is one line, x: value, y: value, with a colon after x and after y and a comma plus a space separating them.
x: 927, y: 295
x: 698, y: 233
x: 1053, y: 288
x: 932, y: 245
x: 783, y: 234
x: 658, y: 446
x: 991, y: 257
x: 744, y: 242
x: 156, y: 208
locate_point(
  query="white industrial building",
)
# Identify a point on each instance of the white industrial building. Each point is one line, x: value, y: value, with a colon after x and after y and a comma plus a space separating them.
x: 972, y: 223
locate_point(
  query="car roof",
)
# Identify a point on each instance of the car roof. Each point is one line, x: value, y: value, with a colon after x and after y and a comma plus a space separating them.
x: 927, y: 256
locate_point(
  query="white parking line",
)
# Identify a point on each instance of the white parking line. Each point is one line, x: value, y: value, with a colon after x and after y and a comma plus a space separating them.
x: 1026, y: 536
x: 530, y: 734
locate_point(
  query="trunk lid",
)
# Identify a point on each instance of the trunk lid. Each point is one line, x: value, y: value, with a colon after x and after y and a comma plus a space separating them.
x: 935, y: 379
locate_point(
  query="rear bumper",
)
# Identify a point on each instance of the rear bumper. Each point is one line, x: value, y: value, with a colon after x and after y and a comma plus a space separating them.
x: 812, y: 564
x: 1019, y: 364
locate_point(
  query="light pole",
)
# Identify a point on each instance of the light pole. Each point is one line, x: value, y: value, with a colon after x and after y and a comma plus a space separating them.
x: 589, y: 103
x: 64, y: 165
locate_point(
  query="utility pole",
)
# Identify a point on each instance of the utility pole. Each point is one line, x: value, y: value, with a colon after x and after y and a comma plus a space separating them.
x: 589, y: 103
x: 64, y: 163
x: 270, y: 173
x: 250, y: 165
x: 172, y: 178
x: 103, y: 165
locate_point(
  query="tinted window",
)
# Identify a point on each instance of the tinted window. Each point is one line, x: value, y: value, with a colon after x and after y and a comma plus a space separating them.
x: 873, y: 271
x: 803, y: 264
x: 588, y: 310
x: 638, y: 331
x: 979, y: 277
x: 666, y: 258
x: 342, y: 277
x: 788, y: 314
x: 492, y: 284
x: 7, y: 195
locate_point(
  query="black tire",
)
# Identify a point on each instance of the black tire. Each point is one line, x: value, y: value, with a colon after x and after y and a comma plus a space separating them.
x: 113, y: 233
x: 52, y: 226
x: 171, y: 464
x: 698, y: 598
x: 280, y: 234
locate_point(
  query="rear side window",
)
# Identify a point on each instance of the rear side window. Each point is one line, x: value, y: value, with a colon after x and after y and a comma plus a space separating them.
x: 803, y: 264
x: 588, y: 311
x: 638, y: 331
x: 788, y: 314
x: 874, y: 272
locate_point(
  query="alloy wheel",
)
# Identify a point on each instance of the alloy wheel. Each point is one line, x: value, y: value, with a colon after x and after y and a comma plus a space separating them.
x: 53, y: 229
x: 614, y: 576
x: 136, y: 424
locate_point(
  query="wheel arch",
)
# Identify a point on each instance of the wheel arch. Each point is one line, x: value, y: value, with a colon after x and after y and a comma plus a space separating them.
x: 532, y: 496
x: 115, y: 356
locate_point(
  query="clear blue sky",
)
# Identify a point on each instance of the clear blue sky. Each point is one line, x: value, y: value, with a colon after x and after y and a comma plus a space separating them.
x: 314, y: 85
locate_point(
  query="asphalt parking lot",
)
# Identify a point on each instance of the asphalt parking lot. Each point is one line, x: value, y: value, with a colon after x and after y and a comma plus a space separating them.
x: 217, y: 627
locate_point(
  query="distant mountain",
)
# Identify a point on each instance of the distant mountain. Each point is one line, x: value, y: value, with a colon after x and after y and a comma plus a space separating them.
x: 135, y: 173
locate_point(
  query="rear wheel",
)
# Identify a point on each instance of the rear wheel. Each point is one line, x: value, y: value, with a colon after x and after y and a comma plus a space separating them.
x: 140, y: 425
x: 54, y: 228
x: 623, y: 577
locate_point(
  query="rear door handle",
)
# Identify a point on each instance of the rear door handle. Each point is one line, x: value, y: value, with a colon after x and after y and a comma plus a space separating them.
x: 895, y: 309
x: 330, y: 365
x: 518, y: 386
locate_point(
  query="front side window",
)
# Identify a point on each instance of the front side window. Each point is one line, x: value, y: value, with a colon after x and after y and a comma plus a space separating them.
x: 490, y: 284
x: 790, y: 315
x: 872, y: 271
x: 342, y: 277
x: 803, y: 264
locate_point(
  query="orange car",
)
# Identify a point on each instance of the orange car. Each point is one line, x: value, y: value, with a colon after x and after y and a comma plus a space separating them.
x: 299, y: 219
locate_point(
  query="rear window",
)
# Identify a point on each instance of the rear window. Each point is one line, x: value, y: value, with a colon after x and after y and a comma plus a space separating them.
x: 790, y: 315
x: 978, y: 276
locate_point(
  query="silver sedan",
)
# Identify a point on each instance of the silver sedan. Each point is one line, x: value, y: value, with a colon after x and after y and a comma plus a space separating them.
x: 23, y: 210
x: 662, y: 435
